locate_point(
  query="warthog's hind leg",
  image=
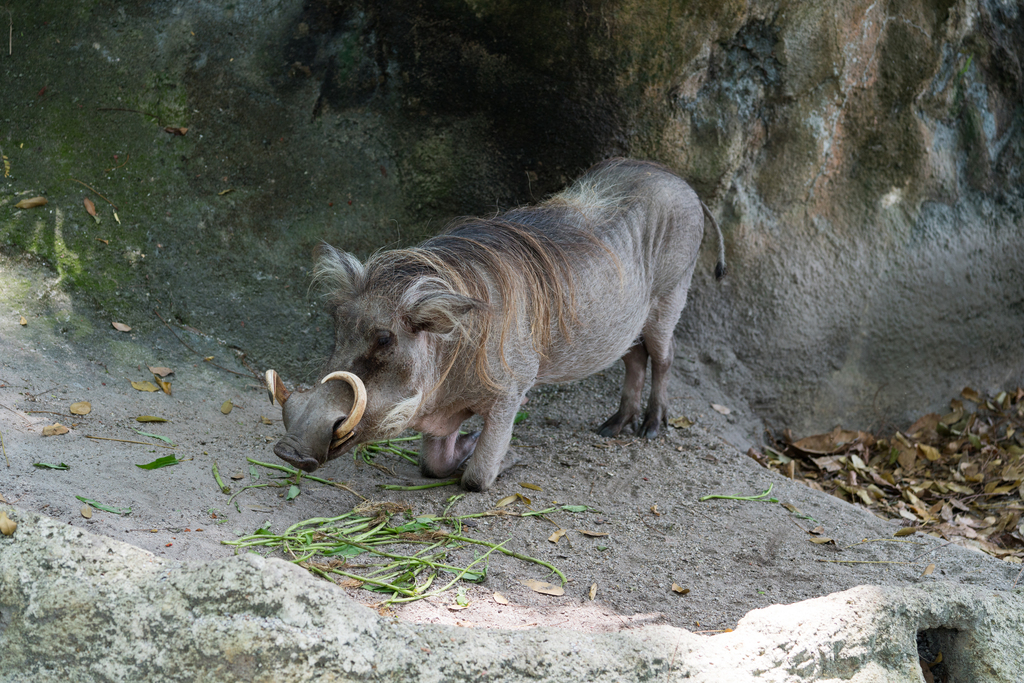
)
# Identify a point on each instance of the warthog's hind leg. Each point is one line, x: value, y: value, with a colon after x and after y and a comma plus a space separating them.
x: 628, y: 413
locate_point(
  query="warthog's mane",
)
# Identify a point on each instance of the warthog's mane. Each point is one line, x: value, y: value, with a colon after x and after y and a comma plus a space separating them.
x: 525, y: 256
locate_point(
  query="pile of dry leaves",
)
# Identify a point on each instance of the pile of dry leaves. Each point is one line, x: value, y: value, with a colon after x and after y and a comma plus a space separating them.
x: 958, y: 476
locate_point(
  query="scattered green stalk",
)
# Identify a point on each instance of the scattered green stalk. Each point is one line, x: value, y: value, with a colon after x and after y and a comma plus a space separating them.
x: 108, y: 508
x: 451, y: 583
x: 759, y: 497
x: 518, y: 556
x: 253, y: 486
x: 533, y: 513
x: 393, y: 487
x: 451, y: 503
x: 354, y: 533
x: 291, y: 470
x: 368, y: 450
x: 321, y: 520
x: 220, y: 482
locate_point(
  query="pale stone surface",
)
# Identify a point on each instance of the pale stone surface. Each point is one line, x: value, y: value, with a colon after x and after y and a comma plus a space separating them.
x: 75, y: 606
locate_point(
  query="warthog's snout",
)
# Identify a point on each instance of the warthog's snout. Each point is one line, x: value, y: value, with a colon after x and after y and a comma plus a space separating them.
x: 288, y: 451
x: 318, y: 429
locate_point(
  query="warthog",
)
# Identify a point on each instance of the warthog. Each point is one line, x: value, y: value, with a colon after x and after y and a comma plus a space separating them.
x: 467, y: 322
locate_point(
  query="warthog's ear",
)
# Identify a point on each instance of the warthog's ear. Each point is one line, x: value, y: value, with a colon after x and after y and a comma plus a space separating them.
x: 338, y: 272
x: 437, y: 312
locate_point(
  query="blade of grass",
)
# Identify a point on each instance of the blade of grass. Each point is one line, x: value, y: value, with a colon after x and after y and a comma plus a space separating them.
x: 393, y: 487
x: 291, y: 470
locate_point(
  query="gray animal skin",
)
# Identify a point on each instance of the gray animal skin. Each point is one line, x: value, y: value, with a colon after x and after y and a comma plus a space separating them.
x: 470, y: 320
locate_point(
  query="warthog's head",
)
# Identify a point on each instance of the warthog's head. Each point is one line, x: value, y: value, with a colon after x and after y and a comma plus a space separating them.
x: 321, y: 423
x: 400, y: 330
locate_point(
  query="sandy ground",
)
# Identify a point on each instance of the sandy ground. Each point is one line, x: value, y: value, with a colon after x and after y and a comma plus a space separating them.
x: 733, y: 556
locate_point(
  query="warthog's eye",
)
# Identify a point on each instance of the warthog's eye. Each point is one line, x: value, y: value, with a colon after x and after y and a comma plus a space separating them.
x: 384, y: 339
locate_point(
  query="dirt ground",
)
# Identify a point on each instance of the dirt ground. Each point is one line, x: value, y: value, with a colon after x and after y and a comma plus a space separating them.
x: 733, y: 556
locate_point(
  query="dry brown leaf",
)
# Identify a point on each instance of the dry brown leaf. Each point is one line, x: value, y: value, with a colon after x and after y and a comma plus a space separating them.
x: 226, y: 406
x: 266, y: 420
x: 543, y: 587
x: 822, y: 541
x: 532, y: 487
x: 164, y: 386
x: 971, y: 395
x: 31, y: 203
x: 55, y: 429
x: 907, y: 458
x: 160, y: 370
x: 237, y: 476
x: 928, y: 570
x: 81, y: 408
x: 1012, y: 472
x: 593, y: 591
x: 500, y: 599
x: 676, y: 588
x: 144, y: 386
x: 790, y: 470
x: 828, y: 463
x: 681, y: 422
x: 7, y: 525
x: 906, y: 531
x: 507, y: 500
x: 720, y: 409
x: 592, y: 533
x: 833, y: 442
x: 89, y: 207
x: 350, y: 583
x: 979, y: 450
x: 87, y: 511
x: 23, y: 321
x: 927, y: 423
x: 174, y: 130
x: 955, y: 415
x: 557, y: 536
x: 121, y: 327
x: 817, y: 531
x: 654, y: 511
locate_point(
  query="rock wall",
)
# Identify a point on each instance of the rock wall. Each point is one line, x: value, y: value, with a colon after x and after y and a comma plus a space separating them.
x: 863, y: 158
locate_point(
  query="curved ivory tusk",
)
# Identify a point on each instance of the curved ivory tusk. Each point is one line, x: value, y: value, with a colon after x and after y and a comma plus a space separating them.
x: 358, y: 405
x: 336, y: 442
x: 276, y: 388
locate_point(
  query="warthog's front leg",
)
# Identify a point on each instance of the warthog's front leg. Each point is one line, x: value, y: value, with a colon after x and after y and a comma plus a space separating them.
x: 493, y: 454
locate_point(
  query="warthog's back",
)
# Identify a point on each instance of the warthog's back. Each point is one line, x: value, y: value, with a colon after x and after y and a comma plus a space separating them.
x: 651, y: 224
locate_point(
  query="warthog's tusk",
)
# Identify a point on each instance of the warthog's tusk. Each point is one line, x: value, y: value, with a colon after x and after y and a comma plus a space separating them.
x: 344, y: 430
x: 337, y: 442
x: 276, y: 388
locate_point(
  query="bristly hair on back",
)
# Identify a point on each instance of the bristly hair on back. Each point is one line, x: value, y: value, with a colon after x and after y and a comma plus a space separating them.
x: 518, y: 263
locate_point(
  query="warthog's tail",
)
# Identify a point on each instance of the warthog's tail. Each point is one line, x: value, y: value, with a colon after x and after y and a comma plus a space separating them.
x: 720, y: 268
